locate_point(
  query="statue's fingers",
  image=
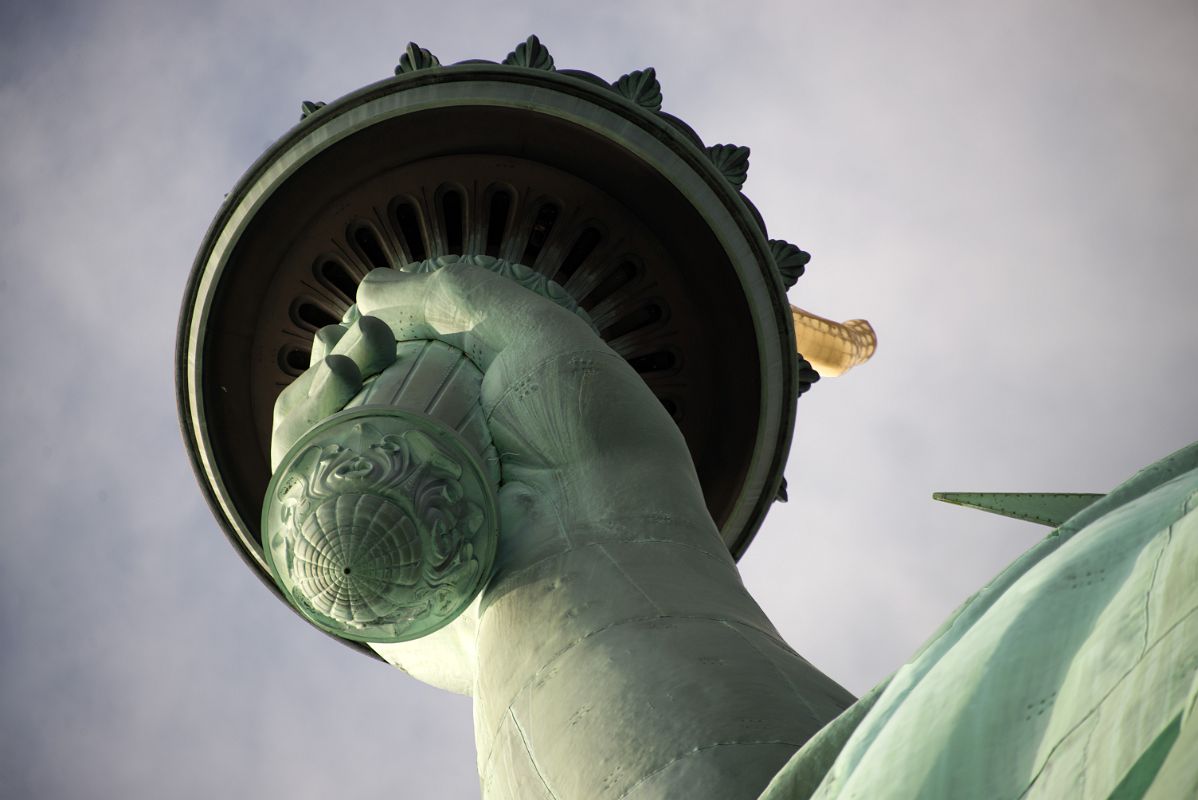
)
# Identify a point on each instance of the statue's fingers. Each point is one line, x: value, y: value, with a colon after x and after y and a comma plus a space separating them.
x: 473, y: 309
x: 325, y: 340
x: 370, y: 343
x: 334, y: 382
x: 297, y: 391
x: 366, y: 341
x: 292, y: 395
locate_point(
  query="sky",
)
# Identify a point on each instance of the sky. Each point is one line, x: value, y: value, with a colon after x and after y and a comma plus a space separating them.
x: 1007, y: 191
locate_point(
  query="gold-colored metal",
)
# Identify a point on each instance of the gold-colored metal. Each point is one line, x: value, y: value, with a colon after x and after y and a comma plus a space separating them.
x: 833, y: 348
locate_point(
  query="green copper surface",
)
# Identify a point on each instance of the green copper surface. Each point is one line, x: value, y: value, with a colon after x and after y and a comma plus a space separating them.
x: 1073, y: 674
x: 641, y: 87
x: 381, y: 525
x: 606, y: 637
x: 415, y: 58
x: 1050, y: 509
x: 613, y: 652
x: 224, y: 412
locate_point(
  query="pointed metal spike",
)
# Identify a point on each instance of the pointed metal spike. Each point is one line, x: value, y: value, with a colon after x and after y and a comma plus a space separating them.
x: 1044, y: 508
x: 309, y: 107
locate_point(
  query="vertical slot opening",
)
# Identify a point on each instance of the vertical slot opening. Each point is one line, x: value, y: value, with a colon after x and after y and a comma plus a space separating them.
x: 451, y: 215
x: 584, y: 245
x: 370, y: 247
x: 338, y: 278
x: 311, y: 316
x: 501, y: 204
x: 653, y: 362
x: 409, y: 230
x: 643, y: 317
x: 542, y: 225
x: 615, y: 280
x: 294, y: 360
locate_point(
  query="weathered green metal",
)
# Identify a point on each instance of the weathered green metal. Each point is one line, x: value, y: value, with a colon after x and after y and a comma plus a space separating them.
x: 525, y: 276
x: 732, y: 161
x: 614, y: 652
x: 641, y: 87
x: 1045, y: 508
x: 530, y: 53
x: 381, y: 525
x: 414, y: 58
x: 732, y: 386
x: 790, y: 260
x: 310, y: 107
x: 1072, y: 674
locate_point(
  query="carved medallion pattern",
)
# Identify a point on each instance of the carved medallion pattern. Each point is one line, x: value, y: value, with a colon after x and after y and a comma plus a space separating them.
x: 380, y: 525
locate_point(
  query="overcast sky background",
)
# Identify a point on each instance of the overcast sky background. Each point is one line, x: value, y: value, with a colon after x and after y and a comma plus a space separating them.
x: 1007, y: 191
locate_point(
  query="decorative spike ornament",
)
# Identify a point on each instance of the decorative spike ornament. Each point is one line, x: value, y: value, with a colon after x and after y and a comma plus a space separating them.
x: 641, y: 87
x: 530, y: 53
x: 790, y: 261
x: 807, y: 374
x: 416, y: 58
x: 732, y: 161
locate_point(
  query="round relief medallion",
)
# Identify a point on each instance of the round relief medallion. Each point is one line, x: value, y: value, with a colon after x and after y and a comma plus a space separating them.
x: 381, y: 525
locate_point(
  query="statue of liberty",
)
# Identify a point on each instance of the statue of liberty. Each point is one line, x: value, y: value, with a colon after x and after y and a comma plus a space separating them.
x: 490, y: 368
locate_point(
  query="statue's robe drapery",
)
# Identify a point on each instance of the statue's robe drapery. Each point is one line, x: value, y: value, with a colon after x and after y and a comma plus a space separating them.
x: 1072, y: 674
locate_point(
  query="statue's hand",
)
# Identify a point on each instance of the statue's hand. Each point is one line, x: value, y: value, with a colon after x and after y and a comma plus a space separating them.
x: 614, y: 603
x: 584, y: 445
x: 342, y: 357
x: 577, y: 430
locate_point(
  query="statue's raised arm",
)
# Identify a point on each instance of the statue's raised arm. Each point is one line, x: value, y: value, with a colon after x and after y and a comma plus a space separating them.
x: 613, y: 652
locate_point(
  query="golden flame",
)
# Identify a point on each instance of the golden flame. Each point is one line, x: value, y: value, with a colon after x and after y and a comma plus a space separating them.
x: 833, y: 348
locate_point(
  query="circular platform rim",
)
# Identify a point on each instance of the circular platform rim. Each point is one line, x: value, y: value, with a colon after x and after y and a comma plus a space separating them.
x: 646, y: 135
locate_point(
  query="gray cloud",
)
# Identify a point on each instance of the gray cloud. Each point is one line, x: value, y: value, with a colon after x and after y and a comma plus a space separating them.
x: 1008, y: 194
